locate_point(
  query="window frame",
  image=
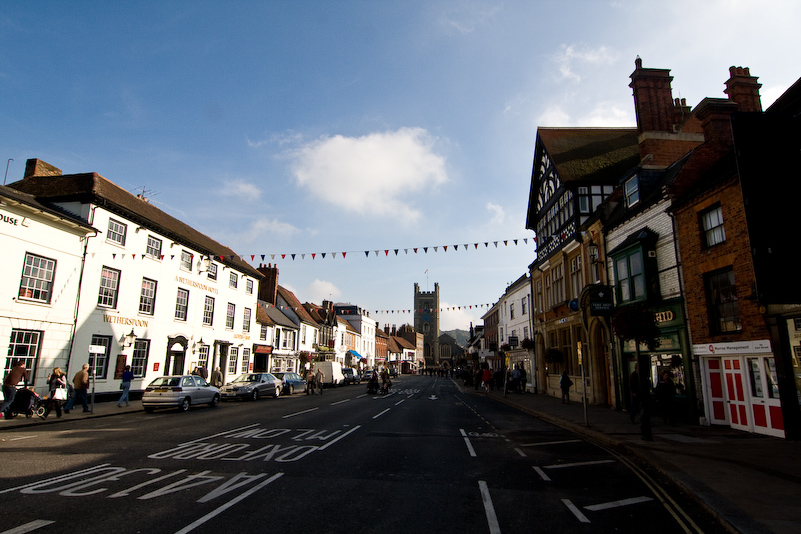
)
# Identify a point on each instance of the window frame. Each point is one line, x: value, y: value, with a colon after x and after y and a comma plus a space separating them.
x: 139, y: 357
x: 108, y: 295
x: 631, y: 278
x: 712, y: 226
x: 233, y: 280
x: 246, y: 315
x: 211, y: 273
x: 181, y: 305
x: 35, y: 280
x: 208, y: 311
x: 186, y: 255
x: 722, y: 312
x: 233, y: 360
x: 631, y: 190
x: 117, y: 232
x: 153, y: 247
x: 147, y: 296
x: 230, y: 316
x: 98, y: 363
x: 30, y: 343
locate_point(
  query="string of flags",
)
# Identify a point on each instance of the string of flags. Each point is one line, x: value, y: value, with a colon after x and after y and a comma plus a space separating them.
x: 405, y: 311
x: 344, y: 254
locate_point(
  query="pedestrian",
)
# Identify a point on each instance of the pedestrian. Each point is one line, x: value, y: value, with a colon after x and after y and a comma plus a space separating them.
x: 634, y: 391
x: 478, y: 379
x: 486, y: 379
x: 310, y: 381
x: 80, y: 384
x: 320, y: 379
x: 217, y: 378
x: 203, y: 372
x: 514, y: 384
x: 522, y: 380
x: 15, y: 375
x: 57, y: 386
x: 127, y: 376
x: 665, y: 391
x: 195, y: 372
x: 564, y: 385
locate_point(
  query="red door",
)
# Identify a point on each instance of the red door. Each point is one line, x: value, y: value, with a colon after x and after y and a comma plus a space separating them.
x: 715, y: 391
x: 736, y: 393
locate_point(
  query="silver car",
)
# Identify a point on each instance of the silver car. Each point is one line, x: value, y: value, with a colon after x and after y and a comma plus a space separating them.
x: 179, y: 392
x: 251, y: 386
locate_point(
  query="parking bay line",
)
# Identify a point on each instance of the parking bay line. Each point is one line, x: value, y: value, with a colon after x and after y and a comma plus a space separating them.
x: 617, y: 504
x: 546, y: 443
x: 379, y: 414
x: 340, y: 402
x: 29, y: 527
x: 576, y: 512
x: 470, y: 448
x: 578, y: 464
x: 489, y: 509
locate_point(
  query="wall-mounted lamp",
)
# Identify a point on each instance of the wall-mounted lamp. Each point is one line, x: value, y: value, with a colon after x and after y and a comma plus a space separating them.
x: 592, y: 248
x: 129, y: 339
x: 139, y: 228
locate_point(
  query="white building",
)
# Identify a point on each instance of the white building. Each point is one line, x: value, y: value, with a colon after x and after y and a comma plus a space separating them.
x: 514, y: 325
x: 43, y: 252
x: 157, y: 294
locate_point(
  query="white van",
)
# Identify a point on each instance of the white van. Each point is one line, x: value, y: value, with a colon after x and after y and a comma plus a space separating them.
x: 332, y: 371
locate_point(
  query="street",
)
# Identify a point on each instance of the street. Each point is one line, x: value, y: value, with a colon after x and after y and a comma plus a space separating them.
x: 427, y: 457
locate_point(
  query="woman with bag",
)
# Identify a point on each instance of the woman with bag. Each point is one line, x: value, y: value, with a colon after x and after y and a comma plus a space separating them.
x: 57, y: 383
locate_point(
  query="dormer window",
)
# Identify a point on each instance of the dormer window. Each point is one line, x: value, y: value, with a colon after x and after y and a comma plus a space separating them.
x: 632, y: 190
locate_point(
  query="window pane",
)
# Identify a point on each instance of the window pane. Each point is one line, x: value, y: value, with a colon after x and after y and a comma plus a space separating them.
x: 109, y: 282
x: 99, y: 362
x: 24, y: 345
x: 186, y: 260
x: 208, y: 311
x: 153, y: 247
x: 147, y: 298
x: 139, y: 357
x: 181, y: 304
x: 116, y: 232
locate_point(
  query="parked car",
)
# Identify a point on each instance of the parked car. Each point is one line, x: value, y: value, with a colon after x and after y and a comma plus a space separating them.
x: 251, y: 386
x: 291, y: 382
x: 180, y: 391
x: 366, y: 374
x: 351, y: 376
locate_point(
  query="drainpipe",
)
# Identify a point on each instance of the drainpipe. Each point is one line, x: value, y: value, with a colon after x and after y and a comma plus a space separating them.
x: 80, y: 286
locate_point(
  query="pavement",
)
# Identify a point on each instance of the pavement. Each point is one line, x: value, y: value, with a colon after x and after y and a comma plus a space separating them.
x: 749, y: 482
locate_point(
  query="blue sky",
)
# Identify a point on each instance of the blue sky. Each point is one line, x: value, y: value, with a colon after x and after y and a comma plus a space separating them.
x: 310, y: 127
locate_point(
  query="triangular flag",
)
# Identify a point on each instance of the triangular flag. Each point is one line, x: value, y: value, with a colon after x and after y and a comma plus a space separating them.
x: 323, y: 254
x: 133, y: 256
x: 445, y: 247
x: 415, y: 251
x: 386, y: 252
x: 425, y: 249
x: 293, y: 256
x: 343, y: 254
x: 313, y: 254
x: 366, y: 253
x: 455, y: 247
x: 396, y: 252
x: 283, y: 256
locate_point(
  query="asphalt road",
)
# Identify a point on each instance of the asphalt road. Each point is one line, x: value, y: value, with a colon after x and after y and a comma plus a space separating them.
x: 425, y: 458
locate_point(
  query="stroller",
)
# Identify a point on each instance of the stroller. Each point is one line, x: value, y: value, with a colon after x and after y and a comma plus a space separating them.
x: 26, y: 401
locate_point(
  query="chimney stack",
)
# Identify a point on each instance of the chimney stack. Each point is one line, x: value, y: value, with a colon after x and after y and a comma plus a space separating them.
x: 653, y: 99
x: 715, y: 117
x: 37, y: 167
x: 743, y: 89
x: 268, y: 286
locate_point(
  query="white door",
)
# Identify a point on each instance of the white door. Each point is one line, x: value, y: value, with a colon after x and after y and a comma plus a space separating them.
x: 766, y: 408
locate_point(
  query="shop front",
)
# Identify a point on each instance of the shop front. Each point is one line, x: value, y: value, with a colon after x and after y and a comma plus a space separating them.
x: 741, y: 387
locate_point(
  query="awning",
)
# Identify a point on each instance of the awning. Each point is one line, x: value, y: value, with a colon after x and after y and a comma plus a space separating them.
x: 358, y: 356
x: 264, y: 349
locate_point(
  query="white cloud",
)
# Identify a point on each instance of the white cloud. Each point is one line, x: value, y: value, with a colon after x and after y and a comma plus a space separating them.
x: 376, y: 175
x: 241, y: 190
x: 496, y: 213
x: 262, y: 227
x: 321, y: 290
x: 467, y: 17
x: 608, y: 115
x: 571, y: 57
x: 453, y: 319
x: 553, y: 116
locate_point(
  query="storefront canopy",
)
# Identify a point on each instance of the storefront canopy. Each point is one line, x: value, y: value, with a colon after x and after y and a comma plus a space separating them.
x: 358, y: 356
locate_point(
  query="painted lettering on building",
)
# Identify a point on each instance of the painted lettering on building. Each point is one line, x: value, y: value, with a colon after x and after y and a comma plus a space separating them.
x: 124, y: 320
x: 198, y: 285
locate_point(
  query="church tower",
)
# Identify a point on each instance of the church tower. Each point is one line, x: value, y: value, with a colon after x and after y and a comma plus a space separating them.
x: 426, y: 322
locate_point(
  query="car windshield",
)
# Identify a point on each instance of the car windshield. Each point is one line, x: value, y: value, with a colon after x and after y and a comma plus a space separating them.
x: 280, y: 375
x: 166, y: 381
x: 247, y: 378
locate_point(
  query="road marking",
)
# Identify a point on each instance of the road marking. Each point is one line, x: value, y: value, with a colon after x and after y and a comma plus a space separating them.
x: 492, y: 519
x: 400, y: 401
x: 218, y: 434
x: 65, y: 476
x: 521, y: 453
x: 192, y: 526
x: 542, y: 474
x: 354, y: 429
x: 19, y: 438
x: 576, y: 512
x: 29, y: 527
x: 617, y: 504
x: 546, y: 443
x: 339, y: 402
x: 299, y: 413
x: 467, y: 442
x: 376, y: 416
x: 433, y: 397
x: 362, y: 395
x: 578, y: 464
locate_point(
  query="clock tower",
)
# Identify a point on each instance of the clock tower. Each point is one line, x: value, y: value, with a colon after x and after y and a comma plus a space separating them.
x: 426, y: 322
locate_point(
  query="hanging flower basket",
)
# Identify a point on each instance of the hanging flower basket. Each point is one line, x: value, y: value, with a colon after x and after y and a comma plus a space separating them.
x: 527, y: 343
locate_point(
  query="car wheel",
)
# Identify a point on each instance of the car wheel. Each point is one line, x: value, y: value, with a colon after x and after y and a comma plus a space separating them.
x: 184, y: 406
x: 255, y: 395
x: 291, y: 389
x: 277, y: 392
x: 215, y: 401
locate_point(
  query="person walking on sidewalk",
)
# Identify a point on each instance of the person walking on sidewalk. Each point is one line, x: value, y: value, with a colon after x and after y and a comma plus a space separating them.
x: 16, y: 374
x: 217, y: 378
x: 57, y: 384
x: 564, y: 385
x: 310, y: 381
x: 127, y: 376
x: 665, y: 391
x: 80, y: 383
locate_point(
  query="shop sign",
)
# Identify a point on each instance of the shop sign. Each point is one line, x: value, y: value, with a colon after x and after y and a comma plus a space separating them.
x: 669, y: 342
x: 761, y: 346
